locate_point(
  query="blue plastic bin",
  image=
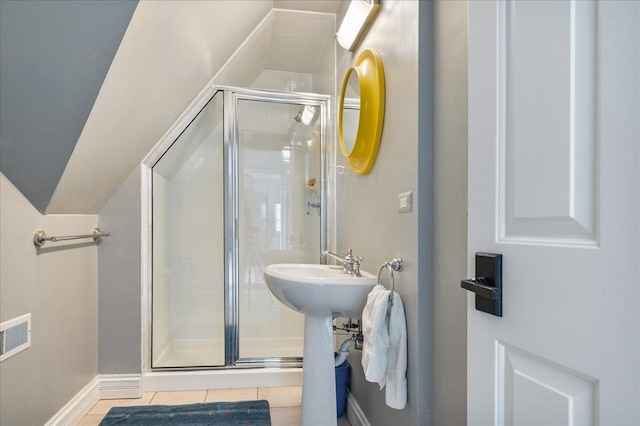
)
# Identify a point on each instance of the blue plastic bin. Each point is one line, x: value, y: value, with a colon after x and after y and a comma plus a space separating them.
x: 342, y: 375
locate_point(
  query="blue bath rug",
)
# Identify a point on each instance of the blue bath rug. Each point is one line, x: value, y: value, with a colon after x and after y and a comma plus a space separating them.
x: 242, y: 413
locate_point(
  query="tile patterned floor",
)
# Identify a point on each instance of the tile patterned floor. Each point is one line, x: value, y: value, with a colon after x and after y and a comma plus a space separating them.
x: 283, y: 401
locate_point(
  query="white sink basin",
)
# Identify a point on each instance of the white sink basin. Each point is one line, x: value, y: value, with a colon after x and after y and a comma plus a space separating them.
x: 321, y: 292
x: 319, y: 289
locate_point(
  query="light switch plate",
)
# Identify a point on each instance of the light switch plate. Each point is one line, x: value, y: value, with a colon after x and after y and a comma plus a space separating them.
x: 405, y: 202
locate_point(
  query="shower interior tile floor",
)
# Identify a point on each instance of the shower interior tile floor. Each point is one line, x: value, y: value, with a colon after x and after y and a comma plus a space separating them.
x: 283, y: 401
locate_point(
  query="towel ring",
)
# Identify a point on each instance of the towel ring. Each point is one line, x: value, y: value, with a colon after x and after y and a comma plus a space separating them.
x: 395, y: 265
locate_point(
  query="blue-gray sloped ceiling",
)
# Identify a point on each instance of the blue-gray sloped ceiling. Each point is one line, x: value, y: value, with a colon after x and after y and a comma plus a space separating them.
x: 54, y: 56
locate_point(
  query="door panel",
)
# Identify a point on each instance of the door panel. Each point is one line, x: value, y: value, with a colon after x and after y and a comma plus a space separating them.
x: 554, y: 187
x: 534, y: 391
x: 548, y: 86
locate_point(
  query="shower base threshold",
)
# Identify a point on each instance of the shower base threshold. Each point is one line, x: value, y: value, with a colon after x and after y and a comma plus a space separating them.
x: 200, y: 353
x: 220, y: 379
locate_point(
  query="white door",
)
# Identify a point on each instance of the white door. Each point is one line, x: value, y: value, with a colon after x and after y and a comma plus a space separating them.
x: 554, y: 186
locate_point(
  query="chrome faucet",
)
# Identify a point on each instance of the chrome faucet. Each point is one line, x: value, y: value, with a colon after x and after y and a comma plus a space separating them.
x: 351, y: 263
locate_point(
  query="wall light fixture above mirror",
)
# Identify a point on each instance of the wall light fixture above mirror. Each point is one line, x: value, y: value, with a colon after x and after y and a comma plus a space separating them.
x: 360, y: 12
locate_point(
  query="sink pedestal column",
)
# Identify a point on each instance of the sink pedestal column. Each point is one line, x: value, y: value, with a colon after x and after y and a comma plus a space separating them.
x: 318, y: 375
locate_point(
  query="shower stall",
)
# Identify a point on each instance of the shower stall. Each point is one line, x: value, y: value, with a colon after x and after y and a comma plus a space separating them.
x: 241, y: 187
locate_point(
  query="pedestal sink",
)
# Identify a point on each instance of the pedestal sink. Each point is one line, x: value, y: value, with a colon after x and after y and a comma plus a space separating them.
x: 320, y: 292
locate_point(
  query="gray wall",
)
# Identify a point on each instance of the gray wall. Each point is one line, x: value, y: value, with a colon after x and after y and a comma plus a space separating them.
x: 425, y: 220
x: 119, y: 297
x: 54, y: 56
x: 449, y: 212
x: 57, y: 284
x: 425, y: 152
x: 367, y: 211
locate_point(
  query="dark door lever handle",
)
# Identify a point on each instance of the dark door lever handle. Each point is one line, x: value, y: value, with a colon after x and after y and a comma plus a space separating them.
x: 479, y: 287
x: 488, y: 284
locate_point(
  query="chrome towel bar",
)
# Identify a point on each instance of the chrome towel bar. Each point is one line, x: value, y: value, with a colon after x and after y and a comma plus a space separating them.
x: 39, y: 237
x: 395, y: 265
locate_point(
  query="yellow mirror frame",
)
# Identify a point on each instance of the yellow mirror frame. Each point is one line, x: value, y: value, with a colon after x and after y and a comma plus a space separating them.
x: 368, y: 67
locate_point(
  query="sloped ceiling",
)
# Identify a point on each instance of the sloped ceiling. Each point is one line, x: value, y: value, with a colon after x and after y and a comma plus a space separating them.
x: 54, y: 56
x: 169, y: 53
x: 70, y: 73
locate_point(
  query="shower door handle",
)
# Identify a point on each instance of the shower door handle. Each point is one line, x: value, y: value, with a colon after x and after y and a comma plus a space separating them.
x: 314, y: 204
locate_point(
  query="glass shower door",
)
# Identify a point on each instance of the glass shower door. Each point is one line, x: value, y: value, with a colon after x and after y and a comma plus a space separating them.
x: 279, y: 218
x: 239, y: 189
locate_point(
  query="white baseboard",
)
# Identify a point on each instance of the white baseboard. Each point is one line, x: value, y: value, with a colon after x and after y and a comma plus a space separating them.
x: 103, y: 386
x: 221, y: 379
x: 78, y: 406
x: 120, y: 386
x: 354, y: 412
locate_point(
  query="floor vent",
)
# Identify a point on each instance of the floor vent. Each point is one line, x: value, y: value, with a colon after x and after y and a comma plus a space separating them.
x: 15, y: 336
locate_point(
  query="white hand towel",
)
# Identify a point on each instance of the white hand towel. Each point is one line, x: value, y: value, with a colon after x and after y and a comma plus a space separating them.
x: 396, y: 374
x: 384, y: 352
x: 376, y: 334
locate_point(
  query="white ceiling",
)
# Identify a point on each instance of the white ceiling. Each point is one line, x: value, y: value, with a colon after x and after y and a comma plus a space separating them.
x: 297, y: 40
x: 323, y: 6
x: 291, y: 41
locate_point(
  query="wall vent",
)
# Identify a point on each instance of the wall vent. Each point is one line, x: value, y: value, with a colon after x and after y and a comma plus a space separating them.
x: 15, y: 336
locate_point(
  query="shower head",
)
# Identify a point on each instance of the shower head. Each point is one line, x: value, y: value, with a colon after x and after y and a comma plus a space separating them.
x: 305, y: 115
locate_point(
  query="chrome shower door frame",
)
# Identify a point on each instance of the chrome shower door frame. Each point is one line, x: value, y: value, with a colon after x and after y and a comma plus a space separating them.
x: 232, y: 95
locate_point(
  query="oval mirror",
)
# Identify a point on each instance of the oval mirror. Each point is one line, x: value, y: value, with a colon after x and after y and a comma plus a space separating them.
x: 350, y: 113
x: 361, y: 111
